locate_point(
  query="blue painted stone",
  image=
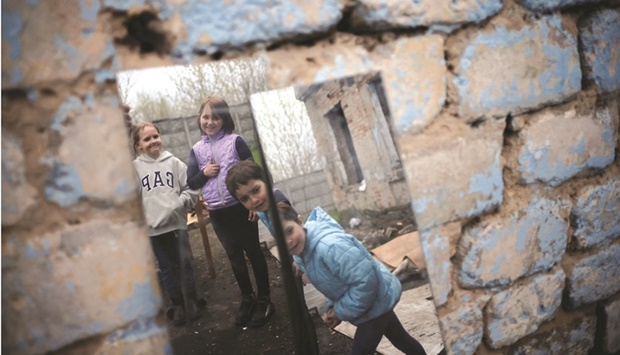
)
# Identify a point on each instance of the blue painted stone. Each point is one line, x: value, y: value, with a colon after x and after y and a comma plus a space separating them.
x: 497, y: 252
x: 600, y: 42
x: 596, y: 215
x: 594, y: 277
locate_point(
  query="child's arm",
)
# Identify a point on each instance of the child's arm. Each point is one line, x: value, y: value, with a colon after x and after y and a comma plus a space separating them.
x: 196, y: 179
x: 188, y: 196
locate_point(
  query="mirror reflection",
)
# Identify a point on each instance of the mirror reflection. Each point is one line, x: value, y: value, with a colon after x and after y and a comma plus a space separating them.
x: 329, y: 145
x: 326, y: 145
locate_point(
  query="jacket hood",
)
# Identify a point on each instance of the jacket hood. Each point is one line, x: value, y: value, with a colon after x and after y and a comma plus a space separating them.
x: 319, y: 224
x: 165, y: 155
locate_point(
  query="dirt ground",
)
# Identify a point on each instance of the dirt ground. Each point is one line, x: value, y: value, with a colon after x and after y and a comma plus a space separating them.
x: 216, y: 333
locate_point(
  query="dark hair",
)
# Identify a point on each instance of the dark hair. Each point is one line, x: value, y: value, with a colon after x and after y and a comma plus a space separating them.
x: 288, y: 213
x: 241, y: 173
x: 135, y: 132
x: 219, y: 109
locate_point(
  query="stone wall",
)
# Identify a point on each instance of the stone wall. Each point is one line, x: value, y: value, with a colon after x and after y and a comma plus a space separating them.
x: 506, y: 116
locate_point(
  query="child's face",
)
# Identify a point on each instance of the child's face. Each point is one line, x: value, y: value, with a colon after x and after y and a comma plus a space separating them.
x: 209, y: 123
x: 253, y: 195
x: 150, y: 142
x: 295, y: 236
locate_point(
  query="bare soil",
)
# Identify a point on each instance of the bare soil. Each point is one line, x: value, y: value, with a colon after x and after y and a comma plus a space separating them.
x: 216, y: 333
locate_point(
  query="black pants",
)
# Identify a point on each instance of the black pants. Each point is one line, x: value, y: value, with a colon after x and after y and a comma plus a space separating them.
x: 173, y: 254
x: 369, y: 334
x: 238, y: 235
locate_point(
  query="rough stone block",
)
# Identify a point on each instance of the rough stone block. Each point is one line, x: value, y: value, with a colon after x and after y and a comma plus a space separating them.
x: 453, y: 176
x: 46, y: 41
x: 216, y: 26
x: 575, y: 337
x: 594, y: 277
x: 553, y: 156
x: 518, y: 311
x: 600, y: 43
x: 462, y: 329
x: 96, y: 127
x: 17, y: 194
x: 100, y: 276
x: 441, y: 15
x: 436, y: 250
x: 546, y: 5
x: 413, y: 71
x: 515, y: 67
x: 414, y: 75
x: 499, y: 249
x: 596, y: 215
x: 611, y: 330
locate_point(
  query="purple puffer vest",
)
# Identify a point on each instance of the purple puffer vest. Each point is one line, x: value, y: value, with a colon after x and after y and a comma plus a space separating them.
x: 222, y: 148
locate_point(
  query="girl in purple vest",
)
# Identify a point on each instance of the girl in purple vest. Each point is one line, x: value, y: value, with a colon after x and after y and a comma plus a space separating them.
x: 234, y: 225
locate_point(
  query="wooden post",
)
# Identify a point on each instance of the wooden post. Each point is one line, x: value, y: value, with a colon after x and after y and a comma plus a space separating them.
x: 202, y: 224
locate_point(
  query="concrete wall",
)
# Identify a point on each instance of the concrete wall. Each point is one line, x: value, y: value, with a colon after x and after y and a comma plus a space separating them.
x: 180, y: 134
x: 507, y: 121
x: 308, y: 191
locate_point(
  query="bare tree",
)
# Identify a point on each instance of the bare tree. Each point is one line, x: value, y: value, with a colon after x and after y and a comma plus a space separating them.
x: 285, y: 134
x: 125, y: 85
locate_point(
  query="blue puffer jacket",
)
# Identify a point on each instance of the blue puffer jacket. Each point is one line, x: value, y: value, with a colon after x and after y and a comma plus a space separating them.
x: 357, y: 286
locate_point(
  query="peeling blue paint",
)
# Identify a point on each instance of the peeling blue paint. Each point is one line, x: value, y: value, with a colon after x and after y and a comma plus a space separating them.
x: 12, y: 25
x: 32, y: 95
x: 596, y: 217
x: 123, y: 5
x: 72, y: 54
x: 559, y: 78
x: 600, y: 40
x: 537, y: 164
x: 540, y: 225
x: 33, y: 2
x: 71, y: 104
x: 64, y: 185
x: 142, y: 303
x: 89, y: 10
x: 435, y: 248
x: 229, y: 24
x: 594, y: 277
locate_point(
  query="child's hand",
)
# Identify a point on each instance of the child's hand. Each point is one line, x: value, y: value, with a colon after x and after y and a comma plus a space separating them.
x: 211, y: 169
x: 253, y: 216
x: 297, y: 271
x: 331, y: 320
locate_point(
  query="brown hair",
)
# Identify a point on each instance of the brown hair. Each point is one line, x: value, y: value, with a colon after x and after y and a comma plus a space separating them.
x: 288, y: 213
x: 219, y: 109
x: 241, y: 173
x: 135, y: 132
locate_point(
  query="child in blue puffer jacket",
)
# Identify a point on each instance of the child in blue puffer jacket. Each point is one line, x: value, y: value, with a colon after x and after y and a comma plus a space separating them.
x: 358, y: 288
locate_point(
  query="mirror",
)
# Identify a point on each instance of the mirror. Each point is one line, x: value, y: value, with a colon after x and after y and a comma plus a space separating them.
x: 330, y: 145
x: 327, y: 144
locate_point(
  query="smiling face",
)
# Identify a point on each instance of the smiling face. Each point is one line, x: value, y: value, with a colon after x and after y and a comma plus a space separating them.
x: 295, y: 236
x: 209, y: 123
x: 149, y: 142
x: 253, y: 195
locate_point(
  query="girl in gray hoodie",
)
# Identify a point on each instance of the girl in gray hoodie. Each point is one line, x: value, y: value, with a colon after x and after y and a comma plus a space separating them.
x: 165, y: 199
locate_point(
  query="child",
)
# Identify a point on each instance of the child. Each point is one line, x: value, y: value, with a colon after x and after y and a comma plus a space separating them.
x: 358, y: 288
x: 165, y: 200
x: 210, y: 159
x: 245, y: 181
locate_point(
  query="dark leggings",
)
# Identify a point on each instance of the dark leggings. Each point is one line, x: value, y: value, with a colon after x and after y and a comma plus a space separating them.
x: 238, y: 235
x: 369, y: 334
x: 174, y: 258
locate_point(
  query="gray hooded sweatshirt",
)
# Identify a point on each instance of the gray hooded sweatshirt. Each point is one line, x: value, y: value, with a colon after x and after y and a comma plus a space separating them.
x: 165, y: 195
